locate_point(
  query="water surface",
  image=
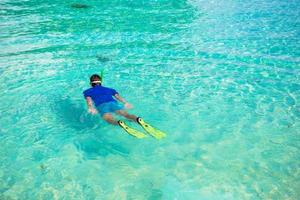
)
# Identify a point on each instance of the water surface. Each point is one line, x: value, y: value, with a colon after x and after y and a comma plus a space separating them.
x: 220, y: 77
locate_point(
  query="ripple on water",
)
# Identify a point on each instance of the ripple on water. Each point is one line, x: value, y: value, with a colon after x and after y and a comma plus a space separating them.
x: 221, y: 78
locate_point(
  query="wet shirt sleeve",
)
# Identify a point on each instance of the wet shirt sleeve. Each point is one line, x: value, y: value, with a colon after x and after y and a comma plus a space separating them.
x: 86, y: 93
x: 113, y: 92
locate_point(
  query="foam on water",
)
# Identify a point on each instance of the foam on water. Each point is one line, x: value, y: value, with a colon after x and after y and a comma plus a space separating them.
x: 220, y: 77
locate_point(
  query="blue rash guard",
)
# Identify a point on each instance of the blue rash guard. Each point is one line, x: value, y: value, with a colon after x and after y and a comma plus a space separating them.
x: 100, y: 94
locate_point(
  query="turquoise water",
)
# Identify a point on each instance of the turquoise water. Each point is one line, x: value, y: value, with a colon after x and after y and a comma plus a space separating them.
x: 220, y: 77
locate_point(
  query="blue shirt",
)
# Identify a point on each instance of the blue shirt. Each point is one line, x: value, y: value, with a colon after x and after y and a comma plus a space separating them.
x: 100, y: 94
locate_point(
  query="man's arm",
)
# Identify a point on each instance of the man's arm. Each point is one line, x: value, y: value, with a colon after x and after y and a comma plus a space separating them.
x: 90, y: 105
x: 119, y: 98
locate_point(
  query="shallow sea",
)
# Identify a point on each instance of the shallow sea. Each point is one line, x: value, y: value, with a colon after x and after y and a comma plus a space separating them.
x: 221, y: 78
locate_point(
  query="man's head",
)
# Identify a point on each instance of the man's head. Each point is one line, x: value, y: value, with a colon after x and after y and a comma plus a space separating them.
x: 95, y: 79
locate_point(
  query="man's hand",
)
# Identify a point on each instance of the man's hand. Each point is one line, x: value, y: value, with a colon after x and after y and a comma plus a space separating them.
x: 89, y: 103
x: 127, y: 105
x: 119, y: 98
x: 93, y: 111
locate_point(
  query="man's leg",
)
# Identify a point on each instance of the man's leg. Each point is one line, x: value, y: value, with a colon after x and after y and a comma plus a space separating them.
x: 126, y: 114
x: 109, y: 118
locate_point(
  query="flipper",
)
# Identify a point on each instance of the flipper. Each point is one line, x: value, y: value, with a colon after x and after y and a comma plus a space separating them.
x: 150, y: 129
x: 131, y: 131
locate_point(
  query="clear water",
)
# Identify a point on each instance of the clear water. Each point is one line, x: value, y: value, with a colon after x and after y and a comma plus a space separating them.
x: 222, y: 78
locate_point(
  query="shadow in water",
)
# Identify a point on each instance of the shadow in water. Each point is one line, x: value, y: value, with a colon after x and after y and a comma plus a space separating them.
x: 75, y: 115
x: 103, y: 58
x: 79, y: 5
x: 95, y: 144
x: 94, y: 147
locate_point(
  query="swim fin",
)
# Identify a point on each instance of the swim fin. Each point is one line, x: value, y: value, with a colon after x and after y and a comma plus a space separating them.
x: 131, y: 131
x: 150, y: 129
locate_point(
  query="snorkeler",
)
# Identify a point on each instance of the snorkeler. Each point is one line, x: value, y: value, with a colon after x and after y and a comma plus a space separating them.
x: 103, y: 100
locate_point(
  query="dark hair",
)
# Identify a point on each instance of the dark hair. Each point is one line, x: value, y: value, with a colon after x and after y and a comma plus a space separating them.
x: 95, y: 77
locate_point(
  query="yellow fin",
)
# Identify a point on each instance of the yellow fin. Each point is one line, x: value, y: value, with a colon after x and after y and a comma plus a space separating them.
x: 151, y: 130
x: 131, y: 131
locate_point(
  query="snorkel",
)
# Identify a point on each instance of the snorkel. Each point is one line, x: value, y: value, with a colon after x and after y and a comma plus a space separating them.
x: 101, y: 76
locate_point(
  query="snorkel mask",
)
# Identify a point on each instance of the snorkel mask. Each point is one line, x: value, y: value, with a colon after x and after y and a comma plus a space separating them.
x: 96, y: 82
x: 95, y: 79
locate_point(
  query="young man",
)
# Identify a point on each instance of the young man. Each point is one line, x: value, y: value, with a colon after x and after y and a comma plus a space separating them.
x: 104, y: 99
